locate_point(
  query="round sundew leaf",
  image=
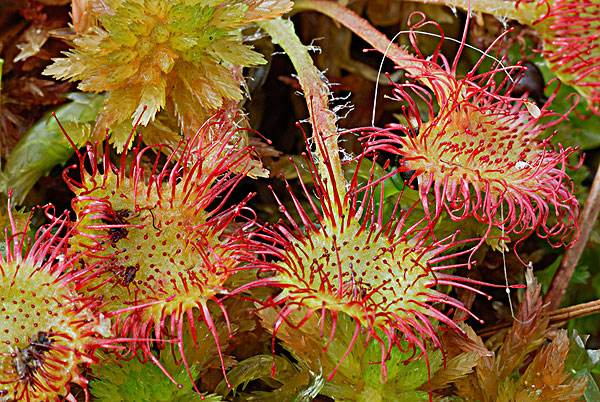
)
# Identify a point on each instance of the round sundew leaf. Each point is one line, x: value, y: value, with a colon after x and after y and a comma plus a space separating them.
x: 349, y: 261
x: 481, y: 156
x: 377, y: 276
x: 167, y: 256
x: 159, y: 245
x: 47, y: 330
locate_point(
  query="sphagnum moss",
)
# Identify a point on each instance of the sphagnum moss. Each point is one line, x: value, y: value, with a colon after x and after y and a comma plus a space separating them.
x: 147, y: 55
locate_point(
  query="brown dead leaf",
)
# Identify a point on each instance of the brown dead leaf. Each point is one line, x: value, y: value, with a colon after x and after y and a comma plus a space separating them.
x: 54, y: 2
x: 456, y: 344
x: 32, y: 41
x: 385, y: 12
x: 22, y: 101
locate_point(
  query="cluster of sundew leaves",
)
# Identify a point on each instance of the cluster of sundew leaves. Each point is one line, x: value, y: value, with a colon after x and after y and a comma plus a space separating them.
x: 521, y: 190
x: 121, y: 222
x: 47, y: 329
x: 148, y: 55
x: 571, y: 42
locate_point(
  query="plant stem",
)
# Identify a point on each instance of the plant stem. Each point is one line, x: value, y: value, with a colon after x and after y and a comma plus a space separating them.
x: 571, y: 312
x: 1, y: 65
x: 422, y: 70
x: 563, y: 275
x: 557, y: 317
x: 525, y: 13
x: 363, y: 29
x: 316, y: 92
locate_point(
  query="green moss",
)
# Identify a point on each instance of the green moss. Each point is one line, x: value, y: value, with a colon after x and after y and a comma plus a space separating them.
x: 186, y: 55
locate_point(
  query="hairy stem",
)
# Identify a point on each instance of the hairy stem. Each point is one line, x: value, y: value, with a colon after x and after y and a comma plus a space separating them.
x: 426, y: 72
x: 563, y: 275
x: 363, y: 29
x: 325, y: 132
x: 524, y: 13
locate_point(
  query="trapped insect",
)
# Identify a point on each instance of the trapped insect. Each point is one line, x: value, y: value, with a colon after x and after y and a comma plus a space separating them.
x: 28, y: 360
x: 119, y: 217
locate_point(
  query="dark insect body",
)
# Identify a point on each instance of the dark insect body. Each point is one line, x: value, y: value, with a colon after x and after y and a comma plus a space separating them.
x: 409, y: 178
x: 128, y: 274
x: 118, y: 218
x: 28, y: 360
x: 530, y: 82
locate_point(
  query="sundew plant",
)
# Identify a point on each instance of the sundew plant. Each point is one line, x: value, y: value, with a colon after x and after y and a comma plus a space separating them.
x: 310, y: 200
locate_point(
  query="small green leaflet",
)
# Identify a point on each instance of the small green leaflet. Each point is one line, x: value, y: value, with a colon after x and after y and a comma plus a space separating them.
x: 45, y: 146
